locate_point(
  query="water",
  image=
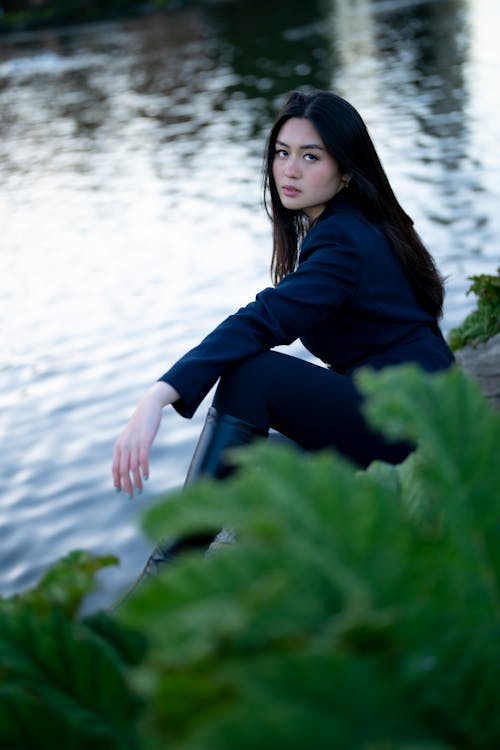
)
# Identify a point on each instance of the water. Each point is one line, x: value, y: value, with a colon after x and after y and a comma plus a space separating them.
x: 131, y: 218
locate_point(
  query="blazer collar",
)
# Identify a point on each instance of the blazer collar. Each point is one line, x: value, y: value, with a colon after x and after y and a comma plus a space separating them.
x: 339, y: 202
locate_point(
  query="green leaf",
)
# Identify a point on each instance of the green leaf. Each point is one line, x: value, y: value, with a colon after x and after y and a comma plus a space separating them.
x: 363, y: 605
x: 357, y: 610
x: 59, y: 673
x: 65, y: 584
x: 63, y: 682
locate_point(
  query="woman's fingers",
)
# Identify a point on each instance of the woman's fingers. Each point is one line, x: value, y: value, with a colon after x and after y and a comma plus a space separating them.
x: 115, y: 467
x: 135, y: 471
x: 121, y: 467
x: 144, y: 462
x: 128, y: 476
x: 130, y: 465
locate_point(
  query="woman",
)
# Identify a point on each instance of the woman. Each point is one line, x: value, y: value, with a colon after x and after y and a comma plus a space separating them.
x: 352, y: 280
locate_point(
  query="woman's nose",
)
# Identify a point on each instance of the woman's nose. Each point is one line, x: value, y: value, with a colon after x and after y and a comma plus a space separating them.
x: 292, y: 168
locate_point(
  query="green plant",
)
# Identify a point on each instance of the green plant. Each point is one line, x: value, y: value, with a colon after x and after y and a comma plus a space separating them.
x: 359, y: 610
x: 24, y: 14
x: 484, y: 322
x: 63, y: 680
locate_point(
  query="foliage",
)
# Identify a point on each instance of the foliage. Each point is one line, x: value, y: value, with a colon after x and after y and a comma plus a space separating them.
x: 27, y: 14
x: 62, y: 681
x: 358, y: 610
x: 484, y: 322
x: 64, y: 585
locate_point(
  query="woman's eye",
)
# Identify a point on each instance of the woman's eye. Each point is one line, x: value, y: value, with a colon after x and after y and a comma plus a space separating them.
x: 281, y: 152
x: 310, y: 157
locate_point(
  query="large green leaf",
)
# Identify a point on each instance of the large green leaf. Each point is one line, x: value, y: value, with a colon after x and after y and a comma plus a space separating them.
x: 62, y: 681
x: 65, y: 584
x: 71, y: 680
x: 358, y: 609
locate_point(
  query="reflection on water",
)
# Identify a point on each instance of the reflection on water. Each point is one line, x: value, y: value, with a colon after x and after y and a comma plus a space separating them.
x: 132, y: 222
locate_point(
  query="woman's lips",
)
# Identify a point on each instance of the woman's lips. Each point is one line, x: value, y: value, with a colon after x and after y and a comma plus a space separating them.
x: 290, y: 191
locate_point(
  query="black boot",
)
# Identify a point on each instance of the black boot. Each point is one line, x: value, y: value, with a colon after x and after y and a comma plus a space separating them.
x: 220, y: 432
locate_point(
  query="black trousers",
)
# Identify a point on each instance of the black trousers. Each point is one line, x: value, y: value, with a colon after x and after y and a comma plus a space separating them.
x: 309, y: 404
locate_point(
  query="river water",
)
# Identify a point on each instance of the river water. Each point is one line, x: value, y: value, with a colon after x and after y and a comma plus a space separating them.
x: 132, y: 222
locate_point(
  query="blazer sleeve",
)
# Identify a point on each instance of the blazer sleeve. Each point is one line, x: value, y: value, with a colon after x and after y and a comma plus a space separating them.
x: 325, y: 279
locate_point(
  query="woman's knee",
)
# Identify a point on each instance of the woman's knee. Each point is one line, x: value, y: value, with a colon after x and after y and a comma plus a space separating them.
x: 243, y: 390
x: 254, y: 371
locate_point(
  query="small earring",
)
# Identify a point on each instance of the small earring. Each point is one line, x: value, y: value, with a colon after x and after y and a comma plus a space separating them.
x: 346, y: 181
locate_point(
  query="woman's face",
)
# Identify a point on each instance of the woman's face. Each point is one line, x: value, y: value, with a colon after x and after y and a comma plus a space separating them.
x: 306, y: 176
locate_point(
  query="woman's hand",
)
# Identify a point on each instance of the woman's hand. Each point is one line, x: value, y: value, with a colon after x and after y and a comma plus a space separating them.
x: 131, y: 455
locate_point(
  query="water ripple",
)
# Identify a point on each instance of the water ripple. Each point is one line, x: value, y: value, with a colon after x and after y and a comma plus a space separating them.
x: 132, y: 223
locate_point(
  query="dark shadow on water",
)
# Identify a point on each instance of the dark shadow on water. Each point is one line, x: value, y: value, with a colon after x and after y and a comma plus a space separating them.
x: 273, y: 48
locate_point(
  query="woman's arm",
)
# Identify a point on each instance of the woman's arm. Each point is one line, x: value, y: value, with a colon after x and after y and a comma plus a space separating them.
x: 131, y: 455
x: 325, y: 279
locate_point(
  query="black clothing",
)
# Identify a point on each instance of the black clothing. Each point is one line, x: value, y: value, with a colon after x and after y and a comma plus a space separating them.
x: 348, y: 301
x: 351, y: 305
x: 313, y: 406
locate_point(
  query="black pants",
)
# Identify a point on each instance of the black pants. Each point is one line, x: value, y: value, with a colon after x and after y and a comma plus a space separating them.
x: 312, y: 405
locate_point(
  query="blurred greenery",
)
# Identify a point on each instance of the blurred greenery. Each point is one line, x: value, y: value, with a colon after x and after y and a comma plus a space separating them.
x: 242, y: 19
x: 18, y: 15
x: 63, y: 680
x: 484, y: 322
x: 358, y: 609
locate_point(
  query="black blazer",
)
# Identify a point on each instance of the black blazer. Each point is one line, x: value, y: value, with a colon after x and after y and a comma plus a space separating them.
x: 348, y: 301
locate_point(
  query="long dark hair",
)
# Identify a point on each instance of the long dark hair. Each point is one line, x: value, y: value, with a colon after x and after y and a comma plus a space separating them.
x: 346, y: 138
